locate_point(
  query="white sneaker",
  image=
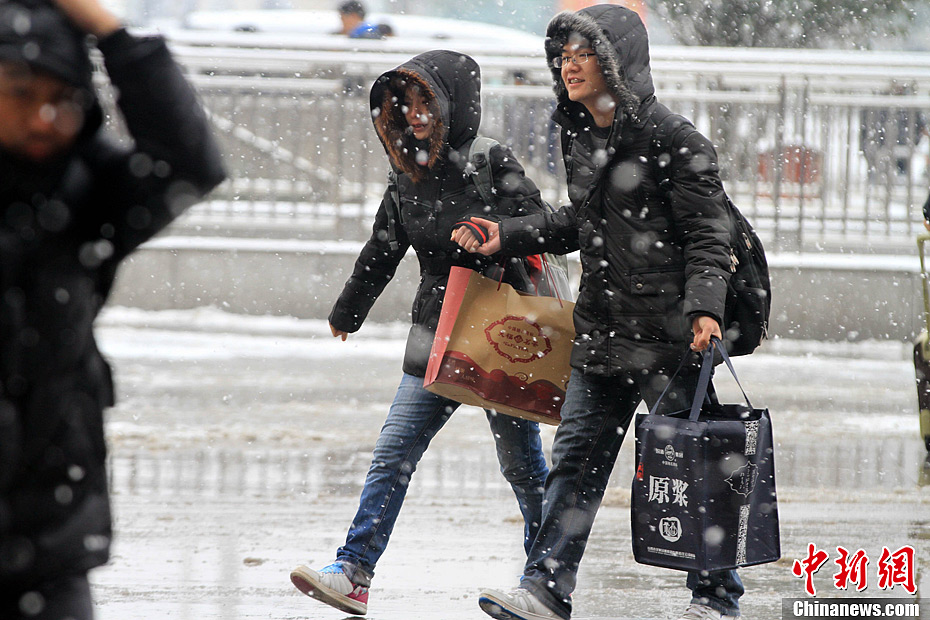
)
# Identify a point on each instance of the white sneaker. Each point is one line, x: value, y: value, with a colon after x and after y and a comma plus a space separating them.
x: 331, y: 586
x: 518, y: 604
x: 703, y: 612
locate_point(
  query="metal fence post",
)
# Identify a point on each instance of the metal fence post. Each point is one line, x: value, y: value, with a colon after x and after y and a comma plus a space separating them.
x: 802, y: 161
x: 777, y: 161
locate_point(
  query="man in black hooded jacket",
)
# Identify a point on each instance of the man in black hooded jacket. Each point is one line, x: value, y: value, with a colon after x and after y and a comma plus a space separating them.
x: 73, y: 206
x: 654, y: 279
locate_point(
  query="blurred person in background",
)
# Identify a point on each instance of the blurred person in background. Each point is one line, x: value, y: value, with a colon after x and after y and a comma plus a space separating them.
x: 352, y: 13
x: 74, y: 205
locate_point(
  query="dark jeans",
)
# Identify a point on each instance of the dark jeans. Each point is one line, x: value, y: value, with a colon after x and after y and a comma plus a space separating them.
x: 415, y: 417
x: 595, y: 418
x: 55, y: 599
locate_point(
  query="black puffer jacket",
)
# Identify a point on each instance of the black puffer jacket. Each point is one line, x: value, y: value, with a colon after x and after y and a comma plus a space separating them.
x: 441, y: 196
x: 648, y: 265
x: 64, y: 229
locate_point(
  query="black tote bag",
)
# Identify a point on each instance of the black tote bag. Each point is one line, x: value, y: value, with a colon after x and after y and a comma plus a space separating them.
x: 704, y: 488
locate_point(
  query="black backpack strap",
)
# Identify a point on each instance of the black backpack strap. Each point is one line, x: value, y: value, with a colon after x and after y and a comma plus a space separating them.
x: 567, y: 143
x: 479, y: 160
x: 393, y: 210
x: 667, y: 126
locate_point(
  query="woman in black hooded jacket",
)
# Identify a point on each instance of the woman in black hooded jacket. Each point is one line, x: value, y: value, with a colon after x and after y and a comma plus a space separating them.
x: 426, y: 113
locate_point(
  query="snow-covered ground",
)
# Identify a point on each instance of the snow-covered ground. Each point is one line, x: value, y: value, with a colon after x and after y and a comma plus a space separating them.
x: 239, y: 446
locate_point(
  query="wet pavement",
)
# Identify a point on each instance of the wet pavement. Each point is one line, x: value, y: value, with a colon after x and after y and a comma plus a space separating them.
x: 237, y: 454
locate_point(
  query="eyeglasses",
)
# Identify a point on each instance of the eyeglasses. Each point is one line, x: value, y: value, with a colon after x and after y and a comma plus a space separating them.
x: 578, y: 59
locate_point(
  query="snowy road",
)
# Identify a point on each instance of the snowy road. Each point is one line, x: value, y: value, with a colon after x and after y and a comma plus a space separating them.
x: 239, y: 446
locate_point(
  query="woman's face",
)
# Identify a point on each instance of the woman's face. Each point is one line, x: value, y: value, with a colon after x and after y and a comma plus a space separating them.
x: 417, y: 113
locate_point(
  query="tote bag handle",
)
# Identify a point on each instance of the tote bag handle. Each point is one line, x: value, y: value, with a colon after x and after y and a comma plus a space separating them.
x: 704, y: 379
x: 707, y: 367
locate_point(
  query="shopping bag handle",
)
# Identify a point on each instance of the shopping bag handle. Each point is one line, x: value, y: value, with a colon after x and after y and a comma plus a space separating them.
x: 502, y: 263
x: 548, y: 272
x: 681, y: 364
x: 707, y: 366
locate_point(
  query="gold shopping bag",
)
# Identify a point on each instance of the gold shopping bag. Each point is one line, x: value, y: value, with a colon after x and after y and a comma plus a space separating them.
x: 500, y: 349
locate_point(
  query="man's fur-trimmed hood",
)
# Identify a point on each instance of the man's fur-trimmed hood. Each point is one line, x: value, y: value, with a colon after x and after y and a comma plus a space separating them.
x: 451, y: 84
x: 619, y: 39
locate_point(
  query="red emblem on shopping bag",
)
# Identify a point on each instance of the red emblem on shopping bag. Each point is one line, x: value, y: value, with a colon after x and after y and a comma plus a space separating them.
x: 518, y: 339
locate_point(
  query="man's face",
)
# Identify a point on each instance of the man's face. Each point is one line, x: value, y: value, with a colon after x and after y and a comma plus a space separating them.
x: 350, y: 21
x: 40, y: 115
x: 585, y: 81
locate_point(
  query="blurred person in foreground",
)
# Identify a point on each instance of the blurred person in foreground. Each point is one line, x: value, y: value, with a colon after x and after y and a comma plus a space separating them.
x: 654, y: 279
x: 73, y: 206
x: 426, y: 113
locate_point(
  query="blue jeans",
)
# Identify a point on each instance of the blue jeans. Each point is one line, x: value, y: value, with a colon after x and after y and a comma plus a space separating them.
x: 414, y: 418
x: 595, y: 418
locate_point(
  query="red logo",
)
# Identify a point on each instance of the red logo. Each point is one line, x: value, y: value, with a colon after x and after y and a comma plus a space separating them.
x: 518, y: 339
x: 639, y: 472
x: 852, y: 570
x: 808, y: 566
x: 895, y: 568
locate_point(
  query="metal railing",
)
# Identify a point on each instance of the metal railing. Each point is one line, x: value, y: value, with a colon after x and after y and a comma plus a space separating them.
x: 819, y: 149
x: 889, y: 463
x: 277, y: 473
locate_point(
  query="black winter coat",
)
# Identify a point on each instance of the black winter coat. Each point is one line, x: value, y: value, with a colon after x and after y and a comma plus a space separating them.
x: 65, y: 228
x: 649, y: 265
x: 432, y: 204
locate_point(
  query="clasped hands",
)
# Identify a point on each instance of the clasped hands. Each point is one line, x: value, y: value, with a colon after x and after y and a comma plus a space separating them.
x: 702, y: 326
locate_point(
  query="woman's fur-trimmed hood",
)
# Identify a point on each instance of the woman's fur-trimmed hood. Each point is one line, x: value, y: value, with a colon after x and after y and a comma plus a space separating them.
x: 619, y: 39
x: 451, y: 84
